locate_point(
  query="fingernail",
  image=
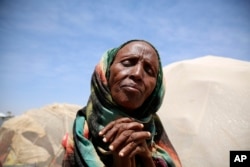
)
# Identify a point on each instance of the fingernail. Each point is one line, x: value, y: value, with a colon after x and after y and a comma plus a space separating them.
x: 149, y: 134
x: 111, y: 147
x: 100, y: 133
x: 121, y: 154
x: 142, y: 125
x: 104, y: 140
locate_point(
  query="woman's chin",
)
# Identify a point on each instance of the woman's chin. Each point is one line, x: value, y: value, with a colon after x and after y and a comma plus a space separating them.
x: 130, y: 105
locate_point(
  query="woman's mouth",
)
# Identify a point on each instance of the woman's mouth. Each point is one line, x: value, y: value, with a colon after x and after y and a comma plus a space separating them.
x: 131, y: 88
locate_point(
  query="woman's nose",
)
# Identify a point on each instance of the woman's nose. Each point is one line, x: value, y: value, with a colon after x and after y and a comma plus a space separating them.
x: 137, y: 72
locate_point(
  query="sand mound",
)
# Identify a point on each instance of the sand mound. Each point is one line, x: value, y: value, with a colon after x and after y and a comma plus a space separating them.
x: 34, y: 138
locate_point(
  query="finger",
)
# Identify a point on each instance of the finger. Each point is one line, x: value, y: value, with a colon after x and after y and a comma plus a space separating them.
x: 120, y: 140
x: 127, y: 139
x: 132, y: 149
x: 120, y: 128
x: 138, y: 150
x: 126, y: 151
x: 112, y: 133
x: 141, y: 150
x: 140, y: 135
x: 111, y: 124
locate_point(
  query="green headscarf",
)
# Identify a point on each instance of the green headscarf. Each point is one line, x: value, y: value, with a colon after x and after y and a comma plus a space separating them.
x: 153, y: 102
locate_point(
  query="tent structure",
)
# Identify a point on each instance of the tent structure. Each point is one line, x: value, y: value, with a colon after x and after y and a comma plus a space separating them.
x: 205, y: 111
x: 34, y: 138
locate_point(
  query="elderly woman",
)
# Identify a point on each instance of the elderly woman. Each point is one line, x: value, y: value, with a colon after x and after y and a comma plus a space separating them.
x: 119, y: 126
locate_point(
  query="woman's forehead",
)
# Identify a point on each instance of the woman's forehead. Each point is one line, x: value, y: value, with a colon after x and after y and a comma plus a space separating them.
x: 137, y: 48
x: 138, y: 44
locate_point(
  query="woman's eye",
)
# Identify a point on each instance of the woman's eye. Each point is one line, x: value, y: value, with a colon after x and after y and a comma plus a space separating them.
x: 128, y: 63
x: 149, y: 70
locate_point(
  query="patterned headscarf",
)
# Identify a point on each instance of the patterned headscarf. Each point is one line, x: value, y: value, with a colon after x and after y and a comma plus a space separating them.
x: 100, y: 91
x: 101, y: 109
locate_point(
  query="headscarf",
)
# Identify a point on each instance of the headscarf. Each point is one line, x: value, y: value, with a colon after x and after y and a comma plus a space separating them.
x: 102, y: 109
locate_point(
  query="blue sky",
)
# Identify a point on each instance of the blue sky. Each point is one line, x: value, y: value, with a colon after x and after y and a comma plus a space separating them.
x: 48, y: 49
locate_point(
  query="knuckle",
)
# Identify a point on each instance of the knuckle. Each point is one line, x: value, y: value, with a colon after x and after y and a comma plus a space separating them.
x: 134, y: 144
x: 127, y: 133
x: 133, y: 136
x: 116, y: 126
x: 123, y: 127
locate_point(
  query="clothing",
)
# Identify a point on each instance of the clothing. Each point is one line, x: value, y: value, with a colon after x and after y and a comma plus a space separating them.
x: 87, y: 147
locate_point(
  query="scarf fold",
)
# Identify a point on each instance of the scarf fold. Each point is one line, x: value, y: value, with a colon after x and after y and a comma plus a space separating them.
x: 101, y: 109
x: 85, y: 154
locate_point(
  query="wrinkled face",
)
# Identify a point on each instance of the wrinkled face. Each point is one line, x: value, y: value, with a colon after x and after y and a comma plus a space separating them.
x: 133, y: 74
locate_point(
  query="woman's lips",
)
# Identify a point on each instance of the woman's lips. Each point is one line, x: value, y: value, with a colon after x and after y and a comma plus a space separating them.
x: 132, y: 88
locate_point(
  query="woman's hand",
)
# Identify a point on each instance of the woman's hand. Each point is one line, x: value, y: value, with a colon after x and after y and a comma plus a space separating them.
x: 127, y: 139
x: 125, y: 135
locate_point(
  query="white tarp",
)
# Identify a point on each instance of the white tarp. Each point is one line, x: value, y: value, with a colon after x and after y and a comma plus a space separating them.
x: 206, y: 109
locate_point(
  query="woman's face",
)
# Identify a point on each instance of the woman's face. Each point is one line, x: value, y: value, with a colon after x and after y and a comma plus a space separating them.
x: 133, y: 74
